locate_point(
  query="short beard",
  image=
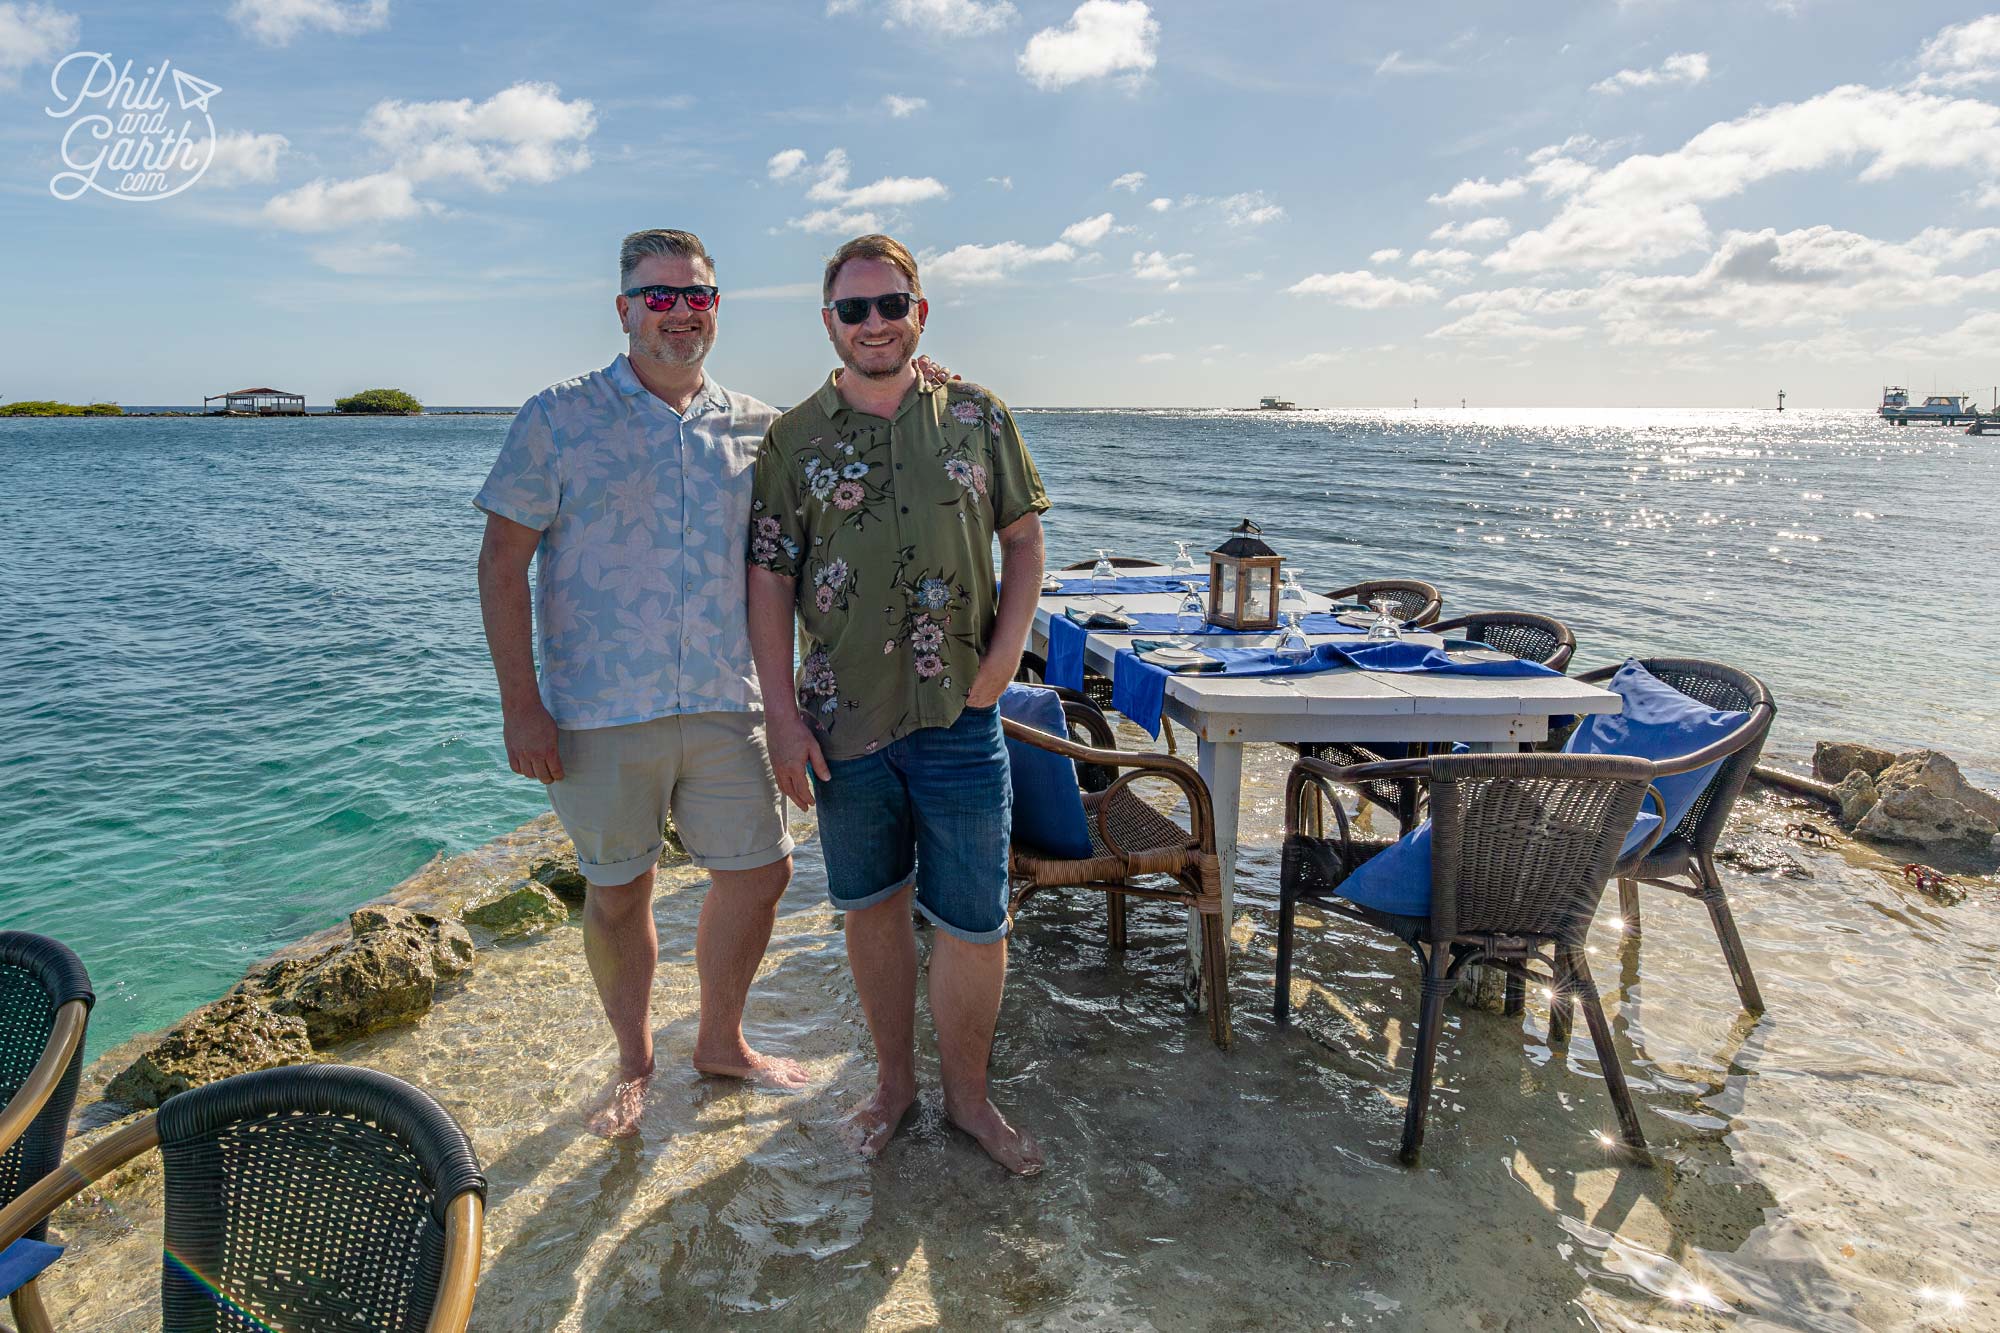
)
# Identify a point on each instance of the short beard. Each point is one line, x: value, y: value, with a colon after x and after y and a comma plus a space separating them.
x: 908, y: 349
x: 662, y: 349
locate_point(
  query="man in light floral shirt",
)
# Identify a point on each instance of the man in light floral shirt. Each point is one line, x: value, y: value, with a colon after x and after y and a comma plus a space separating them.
x: 632, y: 484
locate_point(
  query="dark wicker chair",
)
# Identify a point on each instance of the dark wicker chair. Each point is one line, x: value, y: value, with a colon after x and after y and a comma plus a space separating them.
x: 1522, y: 845
x: 1417, y: 602
x: 1521, y: 634
x: 1136, y: 851
x: 1117, y: 562
x: 45, y: 1001
x: 1684, y: 861
x: 306, y: 1198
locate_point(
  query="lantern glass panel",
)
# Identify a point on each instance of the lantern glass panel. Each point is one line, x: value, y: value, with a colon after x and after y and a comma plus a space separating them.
x: 1226, y: 597
x: 1259, y: 595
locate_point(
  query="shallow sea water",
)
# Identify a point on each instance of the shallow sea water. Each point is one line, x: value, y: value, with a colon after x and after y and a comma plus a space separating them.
x: 246, y: 693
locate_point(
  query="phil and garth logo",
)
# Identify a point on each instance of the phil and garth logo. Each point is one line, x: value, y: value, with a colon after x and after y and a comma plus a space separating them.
x: 126, y: 139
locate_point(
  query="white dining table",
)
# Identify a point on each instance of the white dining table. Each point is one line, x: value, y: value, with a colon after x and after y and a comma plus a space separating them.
x: 1225, y: 713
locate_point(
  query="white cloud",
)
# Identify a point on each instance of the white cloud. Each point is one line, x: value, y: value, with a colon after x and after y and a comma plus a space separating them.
x: 1976, y: 337
x: 1444, y: 258
x: 1473, y: 232
x: 1158, y: 317
x: 1131, y: 181
x: 373, y: 257
x: 1363, y: 290
x: 942, y: 18
x: 1480, y: 193
x: 1577, y: 145
x: 278, y: 21
x: 1251, y: 209
x: 1505, y: 326
x: 971, y: 265
x: 1560, y: 176
x: 1102, y: 38
x: 1683, y: 67
x: 785, y: 164
x: 899, y: 106
x: 1160, y: 205
x: 1157, y: 266
x: 830, y: 186
x: 837, y: 222
x: 523, y: 133
x: 1313, y: 360
x: 241, y: 156
x: 1089, y: 231
x: 1004, y: 182
x: 33, y: 35
x: 327, y: 205
x: 1397, y: 63
x: 1646, y: 208
x: 1155, y: 358
x: 1388, y: 256
x: 1962, y: 55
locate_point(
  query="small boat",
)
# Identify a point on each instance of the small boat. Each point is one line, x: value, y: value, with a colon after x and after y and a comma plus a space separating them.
x: 1943, y: 409
x: 1273, y: 403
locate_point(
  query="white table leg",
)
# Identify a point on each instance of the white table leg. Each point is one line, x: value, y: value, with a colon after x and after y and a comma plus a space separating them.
x: 1221, y: 766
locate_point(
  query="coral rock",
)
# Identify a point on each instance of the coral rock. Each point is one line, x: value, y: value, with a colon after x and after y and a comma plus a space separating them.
x: 234, y: 1035
x: 524, y: 909
x: 562, y: 875
x: 1834, y: 760
x: 1857, y: 795
x: 1926, y: 800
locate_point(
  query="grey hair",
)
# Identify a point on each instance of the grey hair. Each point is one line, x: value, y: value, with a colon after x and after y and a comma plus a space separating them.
x: 659, y: 241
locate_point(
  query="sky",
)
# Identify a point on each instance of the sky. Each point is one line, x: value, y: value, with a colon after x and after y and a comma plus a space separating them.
x: 1172, y: 203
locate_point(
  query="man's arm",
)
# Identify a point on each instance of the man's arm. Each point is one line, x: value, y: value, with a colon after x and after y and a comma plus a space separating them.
x: 786, y: 735
x: 504, y: 606
x: 1021, y: 560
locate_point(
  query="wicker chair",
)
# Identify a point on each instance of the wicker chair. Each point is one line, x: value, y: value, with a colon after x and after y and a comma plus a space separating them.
x: 1522, y: 845
x: 45, y: 1001
x: 1116, y: 562
x: 1136, y: 851
x: 306, y: 1198
x: 1417, y: 602
x: 1521, y: 634
x: 1684, y: 860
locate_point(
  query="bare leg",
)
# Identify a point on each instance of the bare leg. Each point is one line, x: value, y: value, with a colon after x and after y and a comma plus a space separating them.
x: 736, y: 920
x: 966, y: 982
x: 623, y: 949
x: 882, y: 951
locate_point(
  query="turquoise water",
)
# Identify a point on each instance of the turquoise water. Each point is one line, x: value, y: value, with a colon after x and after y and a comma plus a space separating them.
x: 245, y: 689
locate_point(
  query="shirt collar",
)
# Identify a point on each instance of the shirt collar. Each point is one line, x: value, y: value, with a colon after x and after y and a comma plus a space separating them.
x: 710, y: 396
x: 829, y: 400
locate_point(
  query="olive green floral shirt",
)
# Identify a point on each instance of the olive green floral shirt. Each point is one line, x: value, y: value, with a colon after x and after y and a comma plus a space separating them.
x: 888, y: 528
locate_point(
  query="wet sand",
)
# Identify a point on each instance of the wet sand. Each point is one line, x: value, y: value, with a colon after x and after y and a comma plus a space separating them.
x: 1830, y: 1166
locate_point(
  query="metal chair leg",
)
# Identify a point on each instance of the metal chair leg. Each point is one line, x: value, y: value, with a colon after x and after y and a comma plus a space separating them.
x: 1732, y: 943
x: 1429, y: 1020
x: 1114, y: 911
x: 1561, y: 1012
x: 1607, y: 1060
x: 1516, y: 995
x: 1628, y: 908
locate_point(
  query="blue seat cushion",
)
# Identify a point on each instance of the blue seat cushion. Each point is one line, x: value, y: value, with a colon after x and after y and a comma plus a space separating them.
x: 1658, y: 722
x: 23, y: 1262
x: 1397, y: 879
x: 1048, y: 805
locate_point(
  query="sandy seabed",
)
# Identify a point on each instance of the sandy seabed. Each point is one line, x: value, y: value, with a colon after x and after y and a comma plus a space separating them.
x: 1831, y: 1165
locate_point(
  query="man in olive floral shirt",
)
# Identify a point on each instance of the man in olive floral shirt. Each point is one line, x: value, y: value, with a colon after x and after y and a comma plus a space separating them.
x: 874, y: 512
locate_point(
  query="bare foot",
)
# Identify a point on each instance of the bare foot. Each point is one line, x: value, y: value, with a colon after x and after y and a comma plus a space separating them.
x: 1006, y: 1145
x: 618, y: 1118
x: 875, y: 1120
x: 772, y: 1071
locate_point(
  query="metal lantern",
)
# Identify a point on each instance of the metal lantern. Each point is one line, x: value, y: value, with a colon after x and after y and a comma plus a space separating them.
x: 1243, y: 581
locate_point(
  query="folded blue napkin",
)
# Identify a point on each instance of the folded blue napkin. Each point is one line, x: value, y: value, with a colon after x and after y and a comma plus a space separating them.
x: 23, y: 1262
x: 1066, y: 639
x: 1165, y: 622
x: 1139, y: 689
x: 1081, y: 586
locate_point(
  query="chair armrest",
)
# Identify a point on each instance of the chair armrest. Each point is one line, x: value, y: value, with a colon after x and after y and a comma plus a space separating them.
x: 1748, y: 730
x: 464, y: 1227
x: 1630, y: 861
x: 65, y: 1035
x: 1394, y: 770
x: 1183, y: 775
x: 67, y: 1181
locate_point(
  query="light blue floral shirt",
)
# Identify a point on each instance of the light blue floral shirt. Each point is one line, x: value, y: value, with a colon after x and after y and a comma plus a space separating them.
x: 639, y: 584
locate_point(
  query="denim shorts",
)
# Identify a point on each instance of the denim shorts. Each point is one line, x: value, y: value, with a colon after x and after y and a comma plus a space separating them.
x: 935, y: 805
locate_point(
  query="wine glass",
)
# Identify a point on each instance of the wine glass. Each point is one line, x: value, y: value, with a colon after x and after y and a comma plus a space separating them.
x: 1293, y: 646
x: 1191, y: 614
x: 1386, y: 625
x: 1184, y: 560
x: 1102, y: 572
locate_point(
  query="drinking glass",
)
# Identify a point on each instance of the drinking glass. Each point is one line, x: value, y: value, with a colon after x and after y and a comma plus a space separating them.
x: 1293, y: 646
x: 1102, y: 572
x: 1386, y: 625
x: 1184, y: 560
x: 1191, y: 614
x: 1291, y: 597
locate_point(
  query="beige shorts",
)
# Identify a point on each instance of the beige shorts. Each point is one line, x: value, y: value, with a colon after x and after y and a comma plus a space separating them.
x: 709, y: 771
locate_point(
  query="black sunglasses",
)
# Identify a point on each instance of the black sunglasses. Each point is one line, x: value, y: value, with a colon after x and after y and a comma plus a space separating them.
x: 854, y: 309
x: 662, y: 298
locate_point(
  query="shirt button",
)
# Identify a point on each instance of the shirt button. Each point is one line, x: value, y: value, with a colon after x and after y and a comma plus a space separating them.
x: 899, y: 467
x: 906, y: 509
